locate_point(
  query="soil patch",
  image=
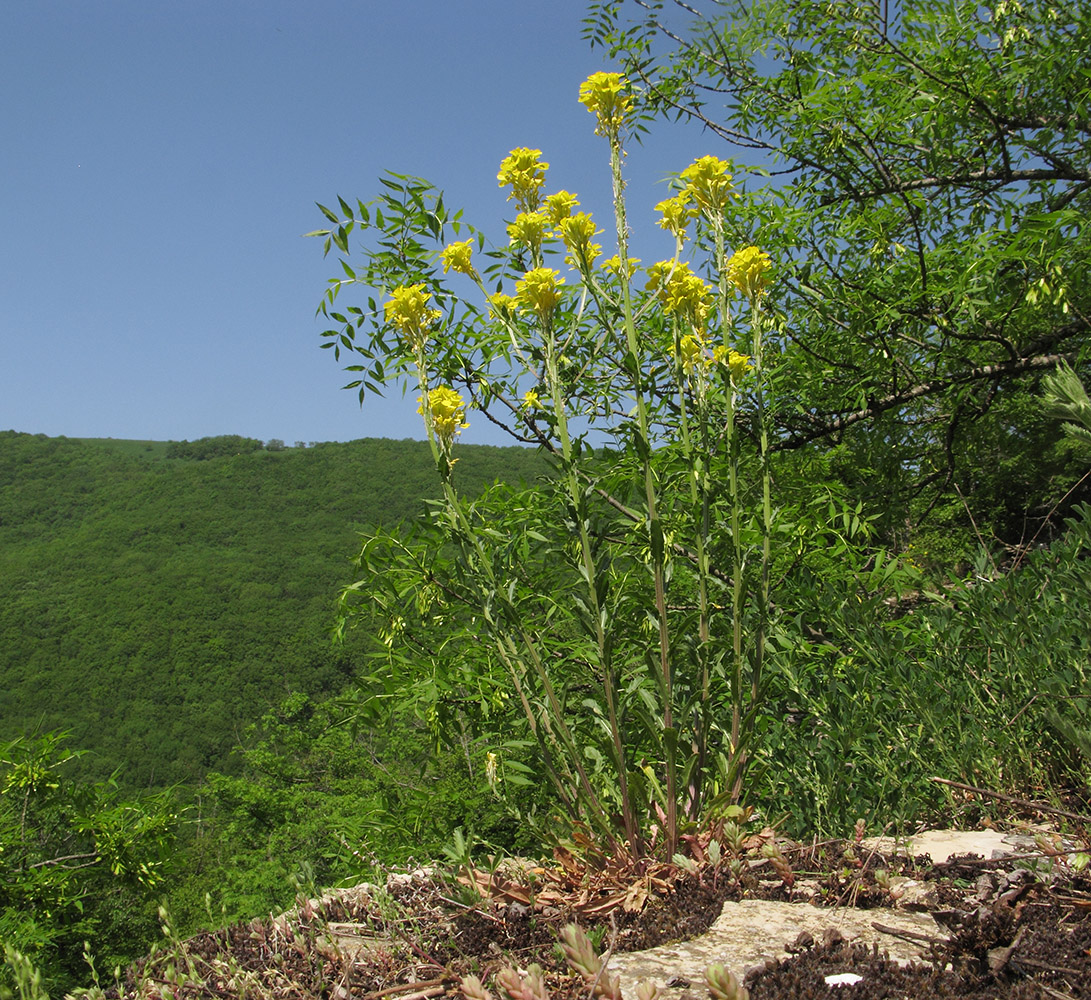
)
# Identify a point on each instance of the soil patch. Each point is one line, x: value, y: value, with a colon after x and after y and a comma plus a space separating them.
x: 1007, y: 928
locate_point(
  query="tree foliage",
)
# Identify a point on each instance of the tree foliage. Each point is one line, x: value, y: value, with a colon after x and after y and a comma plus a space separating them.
x: 321, y: 801
x: 213, y: 447
x: 925, y: 183
x: 77, y: 860
x: 154, y: 608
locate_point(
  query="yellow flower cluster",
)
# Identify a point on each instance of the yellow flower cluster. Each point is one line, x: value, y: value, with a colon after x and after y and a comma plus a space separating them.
x: 576, y: 231
x: 708, y: 182
x: 682, y: 292
x: 457, y: 257
x: 692, y: 352
x: 677, y: 213
x: 408, y: 310
x: 737, y: 364
x: 447, y: 410
x: 529, y: 228
x: 539, y: 290
x: 746, y: 271
x: 523, y: 170
x: 605, y: 95
x: 491, y: 763
x: 613, y: 265
x: 559, y: 206
x: 503, y: 305
x: 707, y: 188
x: 530, y: 400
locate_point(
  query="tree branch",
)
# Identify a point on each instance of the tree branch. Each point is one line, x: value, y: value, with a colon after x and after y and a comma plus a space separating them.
x: 875, y: 407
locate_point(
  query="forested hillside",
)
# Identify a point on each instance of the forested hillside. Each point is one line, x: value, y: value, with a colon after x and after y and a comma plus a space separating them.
x: 153, y: 606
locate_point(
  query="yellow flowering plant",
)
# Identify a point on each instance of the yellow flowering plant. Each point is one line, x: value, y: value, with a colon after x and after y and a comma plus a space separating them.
x: 458, y: 257
x: 529, y: 229
x: 707, y: 181
x: 558, y: 206
x: 409, y: 311
x: 606, y: 96
x: 524, y: 172
x: 444, y: 411
x: 678, y: 212
x: 540, y: 290
x: 632, y: 588
x: 747, y: 270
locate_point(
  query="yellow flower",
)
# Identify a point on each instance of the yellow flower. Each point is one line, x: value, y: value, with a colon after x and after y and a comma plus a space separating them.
x: 539, y: 290
x: 576, y: 231
x: 657, y: 273
x: 529, y: 228
x: 447, y: 410
x: 524, y: 171
x: 691, y: 351
x: 456, y: 257
x: 682, y: 292
x: 559, y: 206
x: 502, y: 305
x: 584, y: 257
x: 613, y: 265
x: 677, y: 212
x: 708, y: 181
x: 746, y: 271
x: 408, y: 310
x: 603, y: 94
x: 530, y: 400
x: 738, y: 364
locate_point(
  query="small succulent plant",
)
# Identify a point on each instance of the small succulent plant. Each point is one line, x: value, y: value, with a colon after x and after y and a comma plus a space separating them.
x: 583, y: 960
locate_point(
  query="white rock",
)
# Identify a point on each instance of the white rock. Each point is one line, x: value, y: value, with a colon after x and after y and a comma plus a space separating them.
x: 752, y: 931
x: 942, y: 845
x: 844, y: 979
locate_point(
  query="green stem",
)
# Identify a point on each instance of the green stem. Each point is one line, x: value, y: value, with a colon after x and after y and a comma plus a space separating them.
x: 756, y: 321
x: 578, y: 499
x: 699, y: 498
x: 469, y: 541
x: 738, y: 561
x: 655, y: 528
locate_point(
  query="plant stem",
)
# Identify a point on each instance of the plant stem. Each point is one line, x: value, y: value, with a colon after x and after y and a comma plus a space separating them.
x: 655, y: 528
x: 578, y: 499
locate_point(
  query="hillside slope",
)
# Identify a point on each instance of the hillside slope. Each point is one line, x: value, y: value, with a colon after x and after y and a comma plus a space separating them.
x: 154, y: 606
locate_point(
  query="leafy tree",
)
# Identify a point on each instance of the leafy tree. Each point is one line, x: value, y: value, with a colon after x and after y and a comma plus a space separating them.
x: 77, y: 861
x: 213, y: 447
x: 923, y: 182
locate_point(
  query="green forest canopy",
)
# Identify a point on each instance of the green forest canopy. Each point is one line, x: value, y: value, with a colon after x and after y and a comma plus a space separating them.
x: 155, y: 605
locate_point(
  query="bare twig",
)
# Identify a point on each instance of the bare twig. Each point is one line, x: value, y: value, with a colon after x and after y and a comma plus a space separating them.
x: 472, y: 909
x: 908, y: 935
x: 429, y: 988
x: 1038, y: 806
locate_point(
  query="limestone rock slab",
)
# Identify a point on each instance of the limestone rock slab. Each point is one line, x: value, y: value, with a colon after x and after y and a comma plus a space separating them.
x: 750, y: 932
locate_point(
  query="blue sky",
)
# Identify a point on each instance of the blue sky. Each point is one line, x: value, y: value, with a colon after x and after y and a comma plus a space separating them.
x: 161, y: 161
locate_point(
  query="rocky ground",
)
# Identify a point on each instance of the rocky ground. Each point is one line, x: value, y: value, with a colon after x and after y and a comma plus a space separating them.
x: 850, y: 917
